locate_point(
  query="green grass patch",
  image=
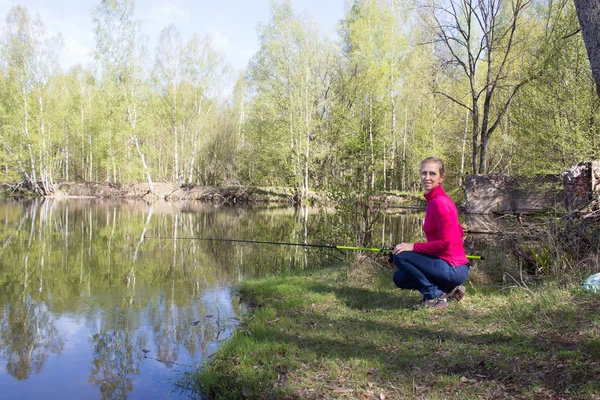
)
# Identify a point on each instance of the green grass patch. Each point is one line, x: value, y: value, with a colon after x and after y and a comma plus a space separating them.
x: 320, y: 335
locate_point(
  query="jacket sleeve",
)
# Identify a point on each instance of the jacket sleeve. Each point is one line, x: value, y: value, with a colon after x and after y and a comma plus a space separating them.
x: 443, y: 217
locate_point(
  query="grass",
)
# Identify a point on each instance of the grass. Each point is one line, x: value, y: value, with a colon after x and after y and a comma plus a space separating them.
x: 320, y: 335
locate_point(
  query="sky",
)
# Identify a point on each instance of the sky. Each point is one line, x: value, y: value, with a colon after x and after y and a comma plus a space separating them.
x: 231, y: 23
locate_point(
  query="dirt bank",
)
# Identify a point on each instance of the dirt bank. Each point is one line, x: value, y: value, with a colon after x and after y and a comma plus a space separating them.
x: 212, y: 194
x: 169, y: 191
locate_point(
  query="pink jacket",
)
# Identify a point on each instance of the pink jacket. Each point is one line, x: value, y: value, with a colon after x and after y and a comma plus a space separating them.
x: 442, y: 229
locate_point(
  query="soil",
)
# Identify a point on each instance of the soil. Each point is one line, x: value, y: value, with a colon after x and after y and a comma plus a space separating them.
x: 169, y: 191
x: 212, y: 194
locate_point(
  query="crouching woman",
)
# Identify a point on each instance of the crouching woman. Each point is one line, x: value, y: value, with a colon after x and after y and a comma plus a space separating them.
x: 438, y: 267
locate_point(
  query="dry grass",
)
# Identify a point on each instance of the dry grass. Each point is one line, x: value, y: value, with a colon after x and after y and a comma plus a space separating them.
x: 364, y: 269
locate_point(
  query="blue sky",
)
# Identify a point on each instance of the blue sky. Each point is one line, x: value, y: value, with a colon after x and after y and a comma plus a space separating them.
x: 231, y: 23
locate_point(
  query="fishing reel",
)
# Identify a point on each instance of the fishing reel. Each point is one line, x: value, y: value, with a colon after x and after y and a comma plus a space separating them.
x: 388, y: 248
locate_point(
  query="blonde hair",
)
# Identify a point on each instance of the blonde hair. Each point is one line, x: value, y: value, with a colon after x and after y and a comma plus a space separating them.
x: 437, y: 160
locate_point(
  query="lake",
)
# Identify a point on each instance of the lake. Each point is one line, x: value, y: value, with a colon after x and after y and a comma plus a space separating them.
x: 116, y: 299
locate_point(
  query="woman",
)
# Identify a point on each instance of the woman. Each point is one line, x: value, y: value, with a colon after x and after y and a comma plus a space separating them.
x: 438, y: 267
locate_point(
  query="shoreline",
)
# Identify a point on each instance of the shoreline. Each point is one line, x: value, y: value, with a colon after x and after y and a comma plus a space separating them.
x: 209, y: 194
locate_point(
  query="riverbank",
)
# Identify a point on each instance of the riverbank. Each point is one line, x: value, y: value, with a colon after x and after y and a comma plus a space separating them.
x: 172, y: 191
x: 212, y: 194
x: 320, y: 335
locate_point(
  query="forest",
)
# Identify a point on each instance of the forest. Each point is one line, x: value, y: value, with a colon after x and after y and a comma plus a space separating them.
x: 491, y: 86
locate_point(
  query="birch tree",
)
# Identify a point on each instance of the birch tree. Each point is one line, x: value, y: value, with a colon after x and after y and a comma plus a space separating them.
x: 31, y: 53
x: 376, y: 49
x: 205, y: 73
x: 285, y: 73
x: 120, y: 53
x: 168, y: 73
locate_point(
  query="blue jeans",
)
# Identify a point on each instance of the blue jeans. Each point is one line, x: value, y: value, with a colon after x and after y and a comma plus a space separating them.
x: 428, y: 274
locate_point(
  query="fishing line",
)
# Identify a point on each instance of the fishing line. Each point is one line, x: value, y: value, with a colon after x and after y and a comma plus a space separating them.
x: 323, y: 246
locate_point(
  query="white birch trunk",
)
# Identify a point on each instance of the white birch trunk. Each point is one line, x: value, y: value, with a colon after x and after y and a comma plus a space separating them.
x: 82, y: 120
x: 67, y: 156
x: 33, y: 176
x: 371, y: 142
x: 90, y: 142
x: 175, y: 133
x: 404, y: 148
x: 132, y: 111
x: 241, y: 123
x: 384, y: 168
x: 307, y: 122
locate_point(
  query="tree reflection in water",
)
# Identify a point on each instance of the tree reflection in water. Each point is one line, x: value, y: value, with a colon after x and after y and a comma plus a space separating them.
x: 116, y: 357
x: 28, y: 334
x: 127, y: 314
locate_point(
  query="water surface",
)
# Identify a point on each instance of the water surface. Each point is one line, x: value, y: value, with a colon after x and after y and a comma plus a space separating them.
x: 112, y: 299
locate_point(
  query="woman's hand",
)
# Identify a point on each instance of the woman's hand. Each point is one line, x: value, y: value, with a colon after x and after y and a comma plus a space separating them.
x: 399, y: 248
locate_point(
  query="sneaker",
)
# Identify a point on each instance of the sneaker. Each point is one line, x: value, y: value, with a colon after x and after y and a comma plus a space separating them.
x: 440, y: 302
x: 457, y: 293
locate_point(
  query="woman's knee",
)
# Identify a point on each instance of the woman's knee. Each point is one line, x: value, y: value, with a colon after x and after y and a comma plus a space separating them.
x: 400, y: 278
x: 400, y: 258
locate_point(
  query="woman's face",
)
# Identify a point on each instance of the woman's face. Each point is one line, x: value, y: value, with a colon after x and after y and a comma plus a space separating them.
x: 430, y: 176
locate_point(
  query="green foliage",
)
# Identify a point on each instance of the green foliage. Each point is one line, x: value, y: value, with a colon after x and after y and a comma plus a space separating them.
x: 308, y: 113
x: 561, y: 105
x: 354, y: 220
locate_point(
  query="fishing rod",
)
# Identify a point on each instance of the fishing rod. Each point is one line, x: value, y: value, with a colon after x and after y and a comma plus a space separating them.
x: 323, y: 246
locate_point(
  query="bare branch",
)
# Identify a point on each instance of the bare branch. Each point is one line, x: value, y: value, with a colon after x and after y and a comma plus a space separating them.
x: 571, y: 34
x: 506, y: 105
x: 454, y: 100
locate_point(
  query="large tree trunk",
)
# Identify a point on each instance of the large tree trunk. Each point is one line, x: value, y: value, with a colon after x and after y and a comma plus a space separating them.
x: 589, y: 19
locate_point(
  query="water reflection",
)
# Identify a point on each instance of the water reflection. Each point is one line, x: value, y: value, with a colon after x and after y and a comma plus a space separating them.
x: 28, y: 335
x: 116, y: 358
x: 92, y: 307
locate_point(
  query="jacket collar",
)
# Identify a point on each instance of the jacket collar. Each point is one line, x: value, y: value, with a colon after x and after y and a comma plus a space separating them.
x: 436, y: 191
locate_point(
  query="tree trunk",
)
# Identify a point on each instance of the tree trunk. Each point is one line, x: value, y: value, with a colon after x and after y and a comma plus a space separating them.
x: 307, y: 122
x: 90, y: 145
x: 371, y: 142
x: 146, y: 169
x: 45, y: 172
x: 132, y: 112
x: 462, y: 160
x: 67, y: 160
x: 241, y: 123
x: 83, y: 174
x: 475, y: 121
x: 393, y: 144
x: 33, y: 176
x: 404, y: 148
x: 384, y: 168
x: 176, y: 148
x: 588, y: 12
